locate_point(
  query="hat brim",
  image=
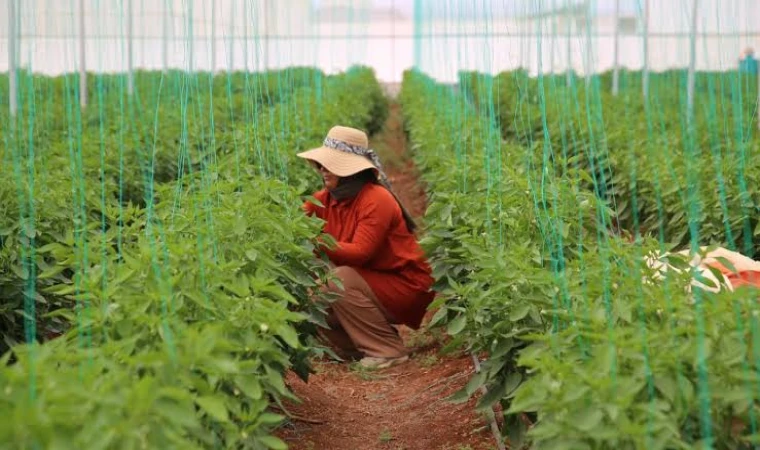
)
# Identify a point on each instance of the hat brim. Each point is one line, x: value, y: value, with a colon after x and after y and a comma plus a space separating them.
x: 337, y: 162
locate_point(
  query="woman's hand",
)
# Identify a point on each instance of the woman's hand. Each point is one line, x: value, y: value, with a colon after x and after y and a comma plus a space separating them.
x: 318, y: 245
x: 323, y: 243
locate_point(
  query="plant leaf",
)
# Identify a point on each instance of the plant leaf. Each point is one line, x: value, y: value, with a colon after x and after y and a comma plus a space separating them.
x: 519, y: 312
x: 457, y: 325
x: 214, y: 406
x: 587, y: 419
x: 270, y: 419
x: 250, y: 385
x: 289, y: 335
x: 727, y: 264
x: 273, y: 442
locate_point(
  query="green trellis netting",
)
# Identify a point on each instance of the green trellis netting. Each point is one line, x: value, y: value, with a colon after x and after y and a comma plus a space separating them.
x: 155, y: 265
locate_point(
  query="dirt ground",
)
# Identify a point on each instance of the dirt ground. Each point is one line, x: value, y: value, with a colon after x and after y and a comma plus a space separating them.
x: 401, y: 408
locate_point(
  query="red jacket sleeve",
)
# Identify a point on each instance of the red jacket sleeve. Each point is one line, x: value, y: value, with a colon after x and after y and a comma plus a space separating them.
x: 374, y: 223
x: 309, y: 208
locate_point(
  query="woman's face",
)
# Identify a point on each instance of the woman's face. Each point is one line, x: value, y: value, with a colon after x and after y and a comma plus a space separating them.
x: 328, y: 178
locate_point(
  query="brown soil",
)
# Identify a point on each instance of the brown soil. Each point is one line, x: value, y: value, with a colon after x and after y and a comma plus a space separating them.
x: 391, y: 146
x: 404, y: 407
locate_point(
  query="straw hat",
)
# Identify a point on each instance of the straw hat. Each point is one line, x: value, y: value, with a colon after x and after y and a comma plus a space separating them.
x: 344, y: 152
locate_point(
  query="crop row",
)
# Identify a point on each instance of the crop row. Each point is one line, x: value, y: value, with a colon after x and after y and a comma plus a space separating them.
x: 179, y: 314
x: 112, y: 168
x: 586, y: 346
x: 663, y: 175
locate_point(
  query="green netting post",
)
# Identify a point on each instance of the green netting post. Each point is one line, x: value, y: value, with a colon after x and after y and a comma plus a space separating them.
x: 568, y: 29
x: 190, y: 37
x: 417, y: 33
x: 553, y: 42
x: 645, y: 75
x: 213, y: 38
x: 266, y: 34
x: 230, y: 68
x: 231, y: 46
x: 245, y: 36
x: 82, y: 58
x: 616, y: 64
x: 692, y: 65
x: 130, y: 49
x: 25, y: 195
x: 12, y: 59
x: 166, y: 36
x: 589, y: 45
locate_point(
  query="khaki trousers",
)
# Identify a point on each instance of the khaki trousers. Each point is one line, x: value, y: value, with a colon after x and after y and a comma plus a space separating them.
x: 359, y: 324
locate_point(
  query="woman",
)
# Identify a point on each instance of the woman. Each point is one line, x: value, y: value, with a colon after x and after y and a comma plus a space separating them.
x: 384, y: 275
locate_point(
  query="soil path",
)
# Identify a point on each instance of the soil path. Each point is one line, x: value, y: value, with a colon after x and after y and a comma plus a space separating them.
x: 401, y: 408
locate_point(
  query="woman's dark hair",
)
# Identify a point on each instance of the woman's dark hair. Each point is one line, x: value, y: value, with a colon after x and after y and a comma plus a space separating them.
x: 366, y: 176
x: 369, y: 176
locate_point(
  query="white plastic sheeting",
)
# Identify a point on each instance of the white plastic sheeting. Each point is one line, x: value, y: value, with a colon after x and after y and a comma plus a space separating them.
x: 333, y: 35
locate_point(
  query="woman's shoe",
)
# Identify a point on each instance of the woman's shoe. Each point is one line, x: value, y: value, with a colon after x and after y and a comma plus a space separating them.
x: 373, y: 362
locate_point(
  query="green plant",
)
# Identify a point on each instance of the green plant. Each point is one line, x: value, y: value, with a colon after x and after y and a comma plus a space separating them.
x: 641, y: 154
x: 428, y: 360
x: 385, y: 436
x: 580, y: 337
x: 174, y: 269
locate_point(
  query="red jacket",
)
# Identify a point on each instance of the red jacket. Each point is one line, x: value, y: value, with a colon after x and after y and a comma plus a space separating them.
x: 373, y: 239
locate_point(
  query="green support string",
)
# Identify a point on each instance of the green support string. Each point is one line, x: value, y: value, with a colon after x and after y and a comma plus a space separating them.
x: 547, y: 194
